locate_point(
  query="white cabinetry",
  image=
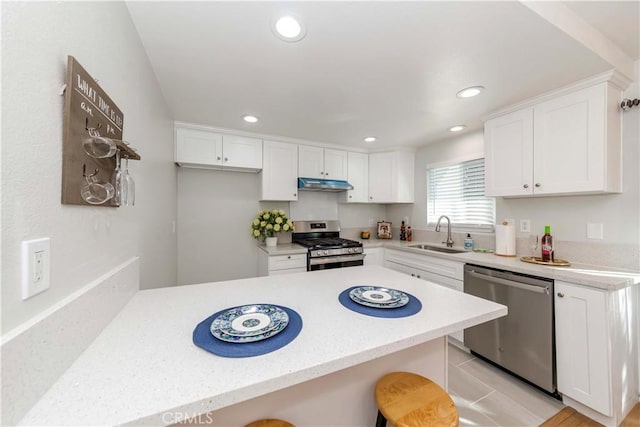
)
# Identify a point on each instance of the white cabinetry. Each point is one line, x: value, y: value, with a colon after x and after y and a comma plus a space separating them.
x: 202, y: 148
x: 594, y: 342
x: 440, y: 271
x: 280, y: 171
x: 324, y: 163
x: 373, y: 256
x: 566, y: 144
x: 358, y: 176
x: 391, y: 177
x: 269, y: 265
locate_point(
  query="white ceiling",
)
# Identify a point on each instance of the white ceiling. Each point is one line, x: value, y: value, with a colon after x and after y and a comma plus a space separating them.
x: 389, y: 69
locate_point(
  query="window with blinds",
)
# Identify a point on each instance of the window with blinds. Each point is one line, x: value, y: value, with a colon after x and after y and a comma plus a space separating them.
x: 457, y: 191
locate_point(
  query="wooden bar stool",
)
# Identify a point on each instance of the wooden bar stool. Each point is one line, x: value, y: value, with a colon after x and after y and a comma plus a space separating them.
x: 410, y: 400
x: 269, y: 423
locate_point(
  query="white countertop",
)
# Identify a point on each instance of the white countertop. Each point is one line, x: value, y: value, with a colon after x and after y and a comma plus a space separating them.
x: 581, y: 274
x: 144, y: 363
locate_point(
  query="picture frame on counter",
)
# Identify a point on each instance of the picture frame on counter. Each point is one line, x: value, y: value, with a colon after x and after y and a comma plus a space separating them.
x: 384, y: 230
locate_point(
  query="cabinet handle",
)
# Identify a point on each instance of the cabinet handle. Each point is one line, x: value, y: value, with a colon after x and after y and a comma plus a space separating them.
x: 226, y: 159
x: 218, y: 158
x: 413, y: 275
x: 295, y: 195
x: 289, y: 257
x: 370, y: 197
x: 418, y: 276
x: 538, y: 185
x: 526, y: 186
x: 326, y: 174
x: 321, y: 173
x: 560, y: 295
x: 351, y: 197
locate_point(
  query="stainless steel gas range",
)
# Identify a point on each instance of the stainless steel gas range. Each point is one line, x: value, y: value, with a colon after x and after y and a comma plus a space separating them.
x: 325, y: 248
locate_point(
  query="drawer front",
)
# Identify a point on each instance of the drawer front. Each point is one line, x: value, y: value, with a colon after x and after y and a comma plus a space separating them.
x: 284, y: 262
x: 441, y: 266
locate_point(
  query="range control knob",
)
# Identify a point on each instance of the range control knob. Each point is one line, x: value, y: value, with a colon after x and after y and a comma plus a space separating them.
x: 326, y: 252
x: 319, y: 253
x: 350, y: 250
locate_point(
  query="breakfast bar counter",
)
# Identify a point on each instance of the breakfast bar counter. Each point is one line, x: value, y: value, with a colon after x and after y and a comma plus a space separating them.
x: 144, y: 369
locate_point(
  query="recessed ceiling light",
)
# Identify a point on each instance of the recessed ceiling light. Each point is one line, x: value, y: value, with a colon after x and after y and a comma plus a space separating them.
x: 370, y: 139
x: 288, y: 27
x: 457, y: 128
x: 249, y: 118
x: 470, y: 92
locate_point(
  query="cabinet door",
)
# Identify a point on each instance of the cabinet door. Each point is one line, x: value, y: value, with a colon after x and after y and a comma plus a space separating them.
x: 195, y: 146
x: 310, y: 162
x: 508, y: 154
x: 570, y: 143
x: 380, y: 177
x: 279, y: 171
x: 373, y: 256
x: 582, y: 343
x: 242, y: 152
x: 358, y: 176
x: 335, y: 164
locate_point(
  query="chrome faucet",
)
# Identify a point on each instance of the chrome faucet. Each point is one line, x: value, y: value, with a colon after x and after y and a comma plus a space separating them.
x: 449, y: 241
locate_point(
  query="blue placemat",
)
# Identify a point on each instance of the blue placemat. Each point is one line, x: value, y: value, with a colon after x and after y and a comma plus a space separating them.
x: 412, y: 307
x: 202, y: 338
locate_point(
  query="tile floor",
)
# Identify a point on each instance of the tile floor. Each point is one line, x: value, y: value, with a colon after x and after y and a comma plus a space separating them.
x: 486, y: 396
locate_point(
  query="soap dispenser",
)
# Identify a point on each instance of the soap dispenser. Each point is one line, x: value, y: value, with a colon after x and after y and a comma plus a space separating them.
x: 468, y: 243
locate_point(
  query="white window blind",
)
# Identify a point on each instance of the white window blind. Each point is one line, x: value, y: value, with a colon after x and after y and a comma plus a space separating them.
x: 457, y: 191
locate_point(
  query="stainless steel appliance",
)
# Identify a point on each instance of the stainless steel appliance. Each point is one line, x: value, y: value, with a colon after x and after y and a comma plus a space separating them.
x: 326, y: 249
x: 522, y: 342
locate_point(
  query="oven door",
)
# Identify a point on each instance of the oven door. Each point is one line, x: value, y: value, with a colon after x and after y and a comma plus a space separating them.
x: 338, y: 261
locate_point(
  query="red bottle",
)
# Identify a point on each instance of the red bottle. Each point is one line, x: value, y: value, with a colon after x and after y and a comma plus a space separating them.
x: 547, y: 245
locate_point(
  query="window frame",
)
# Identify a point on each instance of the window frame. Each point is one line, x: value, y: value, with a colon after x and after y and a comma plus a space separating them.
x: 477, y: 228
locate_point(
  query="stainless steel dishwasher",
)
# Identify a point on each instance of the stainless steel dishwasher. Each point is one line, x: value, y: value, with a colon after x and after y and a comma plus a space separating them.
x: 523, y: 341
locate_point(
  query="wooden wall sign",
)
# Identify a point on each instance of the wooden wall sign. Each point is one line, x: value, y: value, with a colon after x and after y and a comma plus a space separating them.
x: 87, y: 109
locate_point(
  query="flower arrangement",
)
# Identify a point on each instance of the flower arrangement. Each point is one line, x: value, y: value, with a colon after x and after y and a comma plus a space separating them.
x: 268, y: 223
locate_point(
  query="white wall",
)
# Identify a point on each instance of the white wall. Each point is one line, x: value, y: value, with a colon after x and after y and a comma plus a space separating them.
x: 215, y: 210
x: 86, y: 241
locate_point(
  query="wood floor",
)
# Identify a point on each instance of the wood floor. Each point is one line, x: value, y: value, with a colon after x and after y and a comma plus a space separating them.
x: 568, y: 417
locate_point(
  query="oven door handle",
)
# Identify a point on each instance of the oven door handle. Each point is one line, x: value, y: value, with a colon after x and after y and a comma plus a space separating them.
x: 511, y: 283
x: 334, y: 259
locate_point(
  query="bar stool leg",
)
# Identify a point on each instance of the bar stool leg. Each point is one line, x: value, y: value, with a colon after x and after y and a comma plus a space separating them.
x: 381, y: 421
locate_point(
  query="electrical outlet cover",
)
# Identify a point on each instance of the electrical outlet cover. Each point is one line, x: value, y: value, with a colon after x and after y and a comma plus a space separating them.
x: 36, y: 266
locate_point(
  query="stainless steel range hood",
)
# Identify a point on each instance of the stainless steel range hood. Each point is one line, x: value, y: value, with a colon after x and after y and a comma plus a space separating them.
x: 315, y: 184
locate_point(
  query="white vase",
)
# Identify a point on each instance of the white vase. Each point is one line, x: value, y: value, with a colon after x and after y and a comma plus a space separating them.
x: 271, y: 241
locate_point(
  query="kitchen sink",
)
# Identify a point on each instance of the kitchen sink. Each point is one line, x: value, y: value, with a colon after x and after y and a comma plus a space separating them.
x: 437, y: 249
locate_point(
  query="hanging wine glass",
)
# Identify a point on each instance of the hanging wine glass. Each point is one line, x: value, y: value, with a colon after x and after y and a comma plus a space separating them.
x: 130, y: 184
x: 119, y: 184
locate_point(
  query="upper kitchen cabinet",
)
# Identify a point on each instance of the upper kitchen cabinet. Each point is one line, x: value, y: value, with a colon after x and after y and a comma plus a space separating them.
x: 565, y: 143
x: 323, y: 163
x: 201, y: 148
x: 358, y: 176
x: 391, y: 177
x: 280, y: 171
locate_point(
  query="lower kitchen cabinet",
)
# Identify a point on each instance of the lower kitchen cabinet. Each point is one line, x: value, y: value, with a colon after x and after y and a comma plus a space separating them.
x: 374, y: 256
x: 269, y: 265
x: 595, y: 332
x: 440, y: 271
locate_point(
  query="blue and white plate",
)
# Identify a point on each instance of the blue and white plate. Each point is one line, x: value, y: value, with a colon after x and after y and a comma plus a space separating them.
x: 378, y: 297
x: 249, y: 323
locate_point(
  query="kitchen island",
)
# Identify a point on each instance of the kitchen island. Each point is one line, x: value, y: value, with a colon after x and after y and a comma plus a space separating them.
x: 144, y: 369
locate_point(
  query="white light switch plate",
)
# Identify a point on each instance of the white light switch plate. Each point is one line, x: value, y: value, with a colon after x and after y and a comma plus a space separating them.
x: 525, y: 226
x: 36, y: 266
x: 595, y: 231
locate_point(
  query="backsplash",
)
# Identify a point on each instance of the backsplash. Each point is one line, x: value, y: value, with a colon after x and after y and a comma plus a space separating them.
x: 621, y: 256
